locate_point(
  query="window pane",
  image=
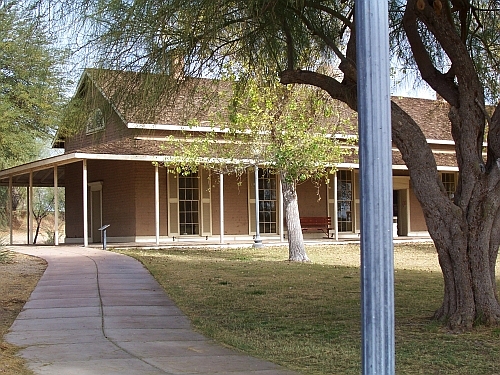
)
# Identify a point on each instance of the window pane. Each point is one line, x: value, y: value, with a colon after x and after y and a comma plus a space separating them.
x: 188, y: 204
x: 267, y: 202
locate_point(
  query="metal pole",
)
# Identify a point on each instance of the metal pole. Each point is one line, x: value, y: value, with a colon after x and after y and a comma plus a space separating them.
x: 257, y: 241
x: 377, y: 264
x: 221, y: 206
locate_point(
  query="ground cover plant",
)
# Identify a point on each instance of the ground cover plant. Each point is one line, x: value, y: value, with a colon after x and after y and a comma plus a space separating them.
x: 307, y: 316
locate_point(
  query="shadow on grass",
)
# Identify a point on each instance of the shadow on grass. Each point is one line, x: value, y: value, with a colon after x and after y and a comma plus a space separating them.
x: 307, y: 316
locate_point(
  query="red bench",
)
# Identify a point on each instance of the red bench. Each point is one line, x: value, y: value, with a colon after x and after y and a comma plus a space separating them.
x: 320, y: 223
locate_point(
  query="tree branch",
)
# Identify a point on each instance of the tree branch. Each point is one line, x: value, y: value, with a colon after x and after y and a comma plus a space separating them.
x: 493, y: 154
x: 340, y: 91
x: 330, y: 11
x: 348, y: 67
x: 318, y: 32
x: 289, y: 45
x: 418, y: 157
x: 443, y: 84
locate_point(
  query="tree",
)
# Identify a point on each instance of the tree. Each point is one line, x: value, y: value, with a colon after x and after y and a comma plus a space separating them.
x: 30, y: 89
x: 454, y: 45
x: 30, y: 86
x: 43, y: 206
x: 288, y: 129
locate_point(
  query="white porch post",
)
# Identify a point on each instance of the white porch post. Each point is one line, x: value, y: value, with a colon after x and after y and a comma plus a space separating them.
x: 257, y: 241
x: 281, y: 213
x: 221, y: 194
x: 157, y: 206
x: 85, y: 206
x: 56, y: 208
x: 335, y: 203
x: 29, y: 215
x: 9, y: 205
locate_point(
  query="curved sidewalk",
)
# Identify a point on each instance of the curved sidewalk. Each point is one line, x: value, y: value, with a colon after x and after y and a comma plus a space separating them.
x: 97, y: 312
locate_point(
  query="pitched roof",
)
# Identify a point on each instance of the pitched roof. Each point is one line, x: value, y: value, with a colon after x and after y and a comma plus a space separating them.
x: 430, y: 115
x: 146, y: 98
x: 153, y: 101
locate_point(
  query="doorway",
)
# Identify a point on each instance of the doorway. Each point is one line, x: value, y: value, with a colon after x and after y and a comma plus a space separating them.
x: 95, y: 218
x: 400, y: 212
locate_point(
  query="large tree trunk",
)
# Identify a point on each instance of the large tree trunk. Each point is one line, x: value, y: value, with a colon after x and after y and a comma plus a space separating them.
x: 465, y: 231
x: 296, y: 247
x: 467, y: 257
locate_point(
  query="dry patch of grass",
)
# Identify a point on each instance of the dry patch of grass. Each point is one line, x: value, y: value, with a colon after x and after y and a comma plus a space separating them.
x: 19, y: 275
x: 307, y: 316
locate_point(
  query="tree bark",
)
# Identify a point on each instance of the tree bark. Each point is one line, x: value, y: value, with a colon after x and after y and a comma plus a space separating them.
x: 296, y: 247
x: 38, y: 223
x: 465, y: 230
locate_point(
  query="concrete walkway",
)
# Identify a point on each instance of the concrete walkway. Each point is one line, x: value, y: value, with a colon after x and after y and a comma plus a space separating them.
x: 97, y: 312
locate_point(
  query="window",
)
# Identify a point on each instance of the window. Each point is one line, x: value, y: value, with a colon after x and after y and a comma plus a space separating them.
x: 344, y: 201
x: 95, y: 121
x: 267, y: 202
x: 189, y: 198
x: 448, y: 180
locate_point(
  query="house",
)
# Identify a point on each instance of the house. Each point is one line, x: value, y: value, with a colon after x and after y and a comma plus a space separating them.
x: 112, y: 174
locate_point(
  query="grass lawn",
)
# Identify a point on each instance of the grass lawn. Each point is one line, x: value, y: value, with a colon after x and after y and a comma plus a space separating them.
x: 307, y: 316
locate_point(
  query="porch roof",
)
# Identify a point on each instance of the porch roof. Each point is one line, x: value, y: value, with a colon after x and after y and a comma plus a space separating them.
x: 42, y: 170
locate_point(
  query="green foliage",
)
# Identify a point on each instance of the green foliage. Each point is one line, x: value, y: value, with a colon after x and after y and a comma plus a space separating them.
x: 3, y: 211
x: 164, y: 37
x: 5, y: 254
x: 44, y: 204
x: 30, y: 85
x: 291, y: 129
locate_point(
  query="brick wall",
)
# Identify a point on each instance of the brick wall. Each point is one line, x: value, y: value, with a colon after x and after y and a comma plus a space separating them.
x: 118, y: 201
x: 417, y: 220
x: 114, y: 129
x: 74, y: 200
x: 144, y: 180
x: 309, y: 205
x: 235, y: 205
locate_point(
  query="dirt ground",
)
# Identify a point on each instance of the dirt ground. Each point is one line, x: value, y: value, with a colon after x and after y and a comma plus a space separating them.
x: 18, y: 278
